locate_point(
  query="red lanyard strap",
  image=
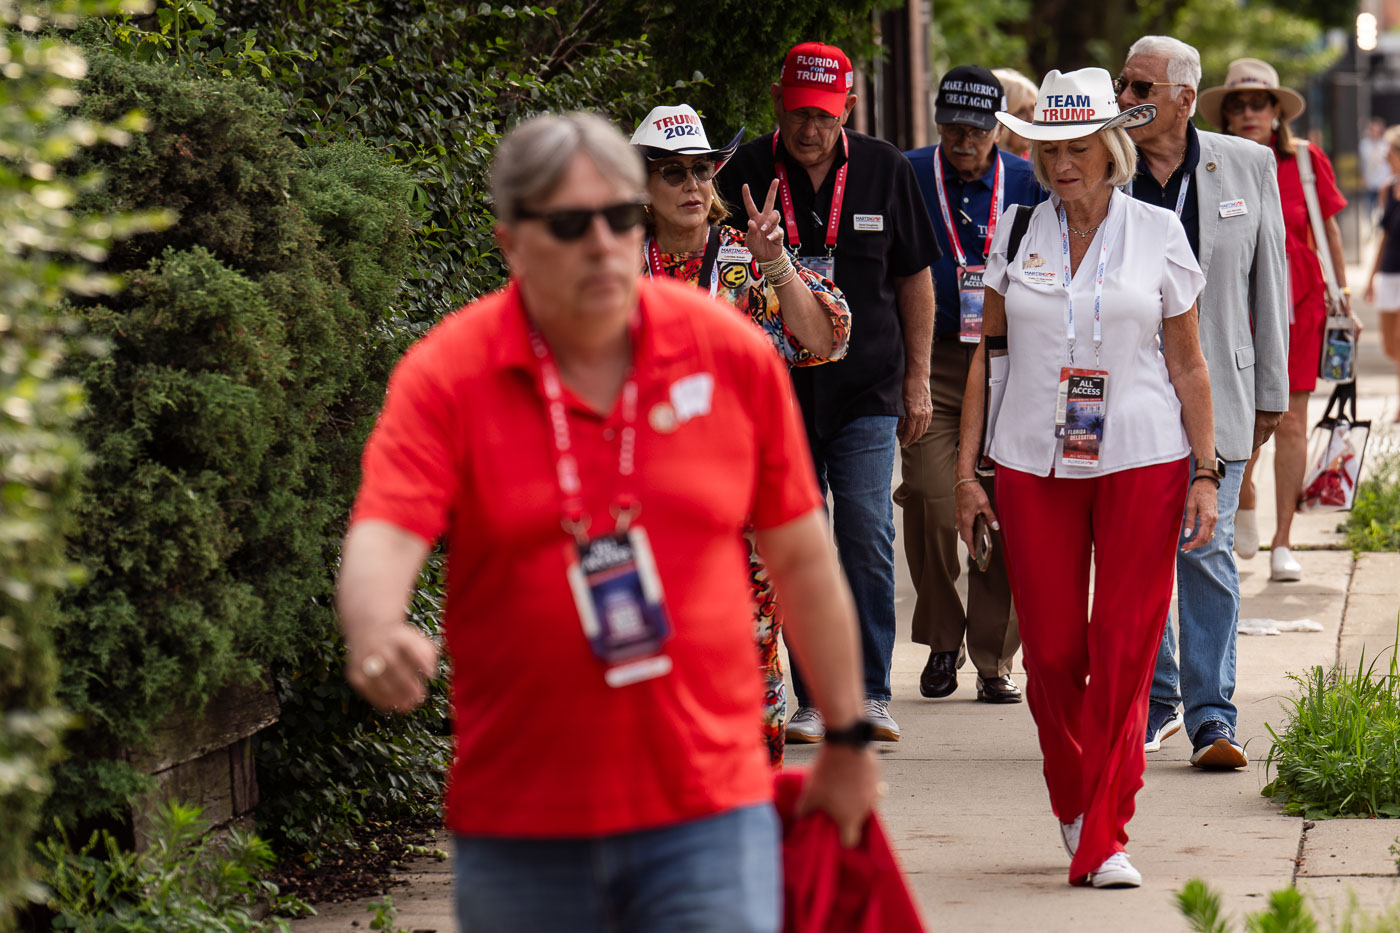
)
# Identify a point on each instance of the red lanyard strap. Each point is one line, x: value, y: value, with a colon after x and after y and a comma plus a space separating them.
x: 575, y: 518
x: 838, y: 194
x: 993, y: 214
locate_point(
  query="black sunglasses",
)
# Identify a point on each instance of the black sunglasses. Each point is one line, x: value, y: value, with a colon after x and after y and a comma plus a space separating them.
x: 570, y: 223
x: 674, y: 173
x: 1141, y: 89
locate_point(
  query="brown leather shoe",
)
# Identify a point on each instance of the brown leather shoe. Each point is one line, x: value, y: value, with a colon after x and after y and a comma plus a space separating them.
x: 940, y: 674
x: 998, y: 690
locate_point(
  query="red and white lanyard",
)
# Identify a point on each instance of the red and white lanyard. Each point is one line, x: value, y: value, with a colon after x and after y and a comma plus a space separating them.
x: 575, y: 518
x: 838, y: 194
x: 993, y: 214
x: 654, y: 267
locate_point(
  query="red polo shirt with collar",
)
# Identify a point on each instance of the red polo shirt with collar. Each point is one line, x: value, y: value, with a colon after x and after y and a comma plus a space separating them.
x: 462, y: 449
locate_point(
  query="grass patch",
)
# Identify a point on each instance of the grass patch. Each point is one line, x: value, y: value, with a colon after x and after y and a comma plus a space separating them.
x: 1339, y: 752
x: 1374, y: 521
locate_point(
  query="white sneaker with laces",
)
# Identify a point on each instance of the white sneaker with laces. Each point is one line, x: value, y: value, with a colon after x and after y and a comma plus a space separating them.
x: 1116, y: 872
x: 1246, y: 533
x: 1282, y: 567
x: 878, y: 712
x: 1069, y: 834
x: 806, y: 726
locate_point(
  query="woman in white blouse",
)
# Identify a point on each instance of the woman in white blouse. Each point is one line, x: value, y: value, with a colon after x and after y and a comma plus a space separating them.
x: 1099, y: 396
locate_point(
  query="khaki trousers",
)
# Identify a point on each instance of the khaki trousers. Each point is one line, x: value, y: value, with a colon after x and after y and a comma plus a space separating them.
x: 931, y: 539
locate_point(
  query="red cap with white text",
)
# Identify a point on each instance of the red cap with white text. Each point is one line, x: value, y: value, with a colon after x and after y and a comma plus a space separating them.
x: 817, y: 75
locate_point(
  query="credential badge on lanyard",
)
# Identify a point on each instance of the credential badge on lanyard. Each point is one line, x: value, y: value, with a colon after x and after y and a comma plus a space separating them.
x: 612, y: 577
x: 970, y: 290
x: 1081, y: 403
x: 824, y: 266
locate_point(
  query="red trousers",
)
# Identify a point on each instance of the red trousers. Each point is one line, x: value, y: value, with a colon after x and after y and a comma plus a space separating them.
x: 1088, y: 671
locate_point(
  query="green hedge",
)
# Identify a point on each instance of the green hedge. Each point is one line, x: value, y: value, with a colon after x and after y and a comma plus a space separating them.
x: 245, y: 363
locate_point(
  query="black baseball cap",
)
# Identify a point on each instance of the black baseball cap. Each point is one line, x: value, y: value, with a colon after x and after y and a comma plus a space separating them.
x: 969, y: 95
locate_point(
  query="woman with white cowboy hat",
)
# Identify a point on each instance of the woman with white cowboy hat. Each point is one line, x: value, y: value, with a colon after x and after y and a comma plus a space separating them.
x: 805, y: 316
x: 1092, y: 417
x: 1252, y: 104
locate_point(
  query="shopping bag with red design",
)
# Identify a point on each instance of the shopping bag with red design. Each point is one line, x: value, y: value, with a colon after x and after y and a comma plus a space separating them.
x: 1336, y: 450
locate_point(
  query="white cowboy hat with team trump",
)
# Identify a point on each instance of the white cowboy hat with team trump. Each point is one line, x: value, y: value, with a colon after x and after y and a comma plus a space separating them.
x: 1073, y: 104
x: 676, y: 131
x: 1245, y: 75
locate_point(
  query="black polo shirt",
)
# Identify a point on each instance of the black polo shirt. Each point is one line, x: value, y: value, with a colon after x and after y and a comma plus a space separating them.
x: 895, y: 238
x: 1145, y: 188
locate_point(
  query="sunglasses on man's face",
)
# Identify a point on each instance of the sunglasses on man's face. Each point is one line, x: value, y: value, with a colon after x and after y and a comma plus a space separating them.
x: 1141, y: 89
x: 674, y: 173
x: 1237, y: 103
x: 570, y: 223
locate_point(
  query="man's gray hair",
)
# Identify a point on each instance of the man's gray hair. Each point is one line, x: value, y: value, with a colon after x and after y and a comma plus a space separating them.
x: 1122, y: 159
x: 532, y: 158
x: 1183, y: 61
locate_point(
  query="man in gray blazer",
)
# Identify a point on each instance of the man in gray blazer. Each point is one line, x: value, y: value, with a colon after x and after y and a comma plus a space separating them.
x: 1225, y: 191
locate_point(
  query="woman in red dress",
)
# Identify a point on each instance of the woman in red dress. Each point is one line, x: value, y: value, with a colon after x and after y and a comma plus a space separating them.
x: 1253, y: 105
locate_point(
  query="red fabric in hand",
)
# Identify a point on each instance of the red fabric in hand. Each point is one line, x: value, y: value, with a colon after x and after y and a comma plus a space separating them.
x: 831, y: 889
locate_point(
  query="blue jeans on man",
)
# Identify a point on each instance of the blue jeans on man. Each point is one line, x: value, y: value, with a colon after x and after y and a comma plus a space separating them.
x: 857, y: 465
x: 719, y: 874
x: 1208, y: 611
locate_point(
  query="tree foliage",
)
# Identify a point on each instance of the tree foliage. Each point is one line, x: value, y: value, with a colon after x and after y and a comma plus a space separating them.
x: 45, y: 245
x: 246, y: 360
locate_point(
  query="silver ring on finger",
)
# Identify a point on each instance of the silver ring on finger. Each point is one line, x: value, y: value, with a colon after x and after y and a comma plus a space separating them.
x: 372, y: 666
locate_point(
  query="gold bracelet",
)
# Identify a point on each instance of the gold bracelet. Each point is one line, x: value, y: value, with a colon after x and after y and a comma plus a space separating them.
x: 970, y: 479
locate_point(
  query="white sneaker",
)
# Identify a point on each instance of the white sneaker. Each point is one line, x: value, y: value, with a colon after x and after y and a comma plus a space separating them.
x: 806, y: 726
x: 1282, y: 567
x: 1116, y: 872
x: 1069, y: 834
x: 878, y: 712
x: 1246, y: 533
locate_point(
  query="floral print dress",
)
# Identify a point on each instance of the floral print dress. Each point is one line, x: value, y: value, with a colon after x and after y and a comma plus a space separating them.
x: 742, y: 284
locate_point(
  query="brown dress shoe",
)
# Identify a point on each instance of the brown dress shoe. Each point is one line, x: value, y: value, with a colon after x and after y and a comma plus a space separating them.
x: 998, y: 690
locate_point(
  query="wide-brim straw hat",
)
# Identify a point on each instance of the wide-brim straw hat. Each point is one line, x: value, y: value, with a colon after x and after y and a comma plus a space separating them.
x: 1074, y: 104
x: 1249, y: 74
x: 677, y: 131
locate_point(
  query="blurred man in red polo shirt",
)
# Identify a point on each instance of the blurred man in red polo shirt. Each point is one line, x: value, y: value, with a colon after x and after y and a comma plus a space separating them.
x: 591, y: 446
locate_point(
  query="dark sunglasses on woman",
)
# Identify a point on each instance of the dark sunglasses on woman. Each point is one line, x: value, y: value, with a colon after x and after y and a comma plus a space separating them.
x: 674, y: 173
x: 570, y: 223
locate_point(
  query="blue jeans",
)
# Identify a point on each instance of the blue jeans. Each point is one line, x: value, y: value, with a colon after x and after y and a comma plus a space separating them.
x: 1208, y: 607
x: 714, y: 875
x: 858, y: 466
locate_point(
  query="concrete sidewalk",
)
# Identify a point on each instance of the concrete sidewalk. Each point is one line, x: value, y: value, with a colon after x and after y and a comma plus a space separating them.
x: 968, y: 810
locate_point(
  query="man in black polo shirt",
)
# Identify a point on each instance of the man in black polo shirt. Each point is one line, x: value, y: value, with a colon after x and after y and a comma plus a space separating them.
x: 853, y: 212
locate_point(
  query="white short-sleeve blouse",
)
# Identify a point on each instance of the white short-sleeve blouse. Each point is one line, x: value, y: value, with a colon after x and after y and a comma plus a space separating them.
x: 1151, y: 275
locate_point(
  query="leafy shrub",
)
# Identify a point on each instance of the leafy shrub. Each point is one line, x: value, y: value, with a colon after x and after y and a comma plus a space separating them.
x: 185, y: 881
x: 1339, y: 754
x: 43, y: 243
x: 245, y: 363
x: 1374, y: 521
x: 1287, y: 912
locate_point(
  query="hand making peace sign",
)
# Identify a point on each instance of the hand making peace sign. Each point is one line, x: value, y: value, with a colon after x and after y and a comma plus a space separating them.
x: 765, y: 238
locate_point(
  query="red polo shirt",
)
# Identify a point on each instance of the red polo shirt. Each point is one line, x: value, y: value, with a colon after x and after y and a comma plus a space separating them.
x: 544, y: 746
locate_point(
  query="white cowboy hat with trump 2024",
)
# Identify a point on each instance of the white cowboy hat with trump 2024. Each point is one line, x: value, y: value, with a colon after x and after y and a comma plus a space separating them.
x: 1074, y: 104
x: 1245, y: 75
x: 677, y: 131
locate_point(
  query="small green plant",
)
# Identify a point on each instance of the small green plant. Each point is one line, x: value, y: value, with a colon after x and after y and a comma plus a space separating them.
x: 1395, y: 851
x: 185, y: 880
x: 1339, y: 753
x: 1287, y: 912
x: 385, y: 916
x: 1374, y: 521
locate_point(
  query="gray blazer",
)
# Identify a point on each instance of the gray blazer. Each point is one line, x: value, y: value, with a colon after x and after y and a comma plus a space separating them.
x: 1244, y: 306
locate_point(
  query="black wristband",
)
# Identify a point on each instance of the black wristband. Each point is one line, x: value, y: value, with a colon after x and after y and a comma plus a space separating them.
x: 857, y: 735
x: 1208, y: 478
